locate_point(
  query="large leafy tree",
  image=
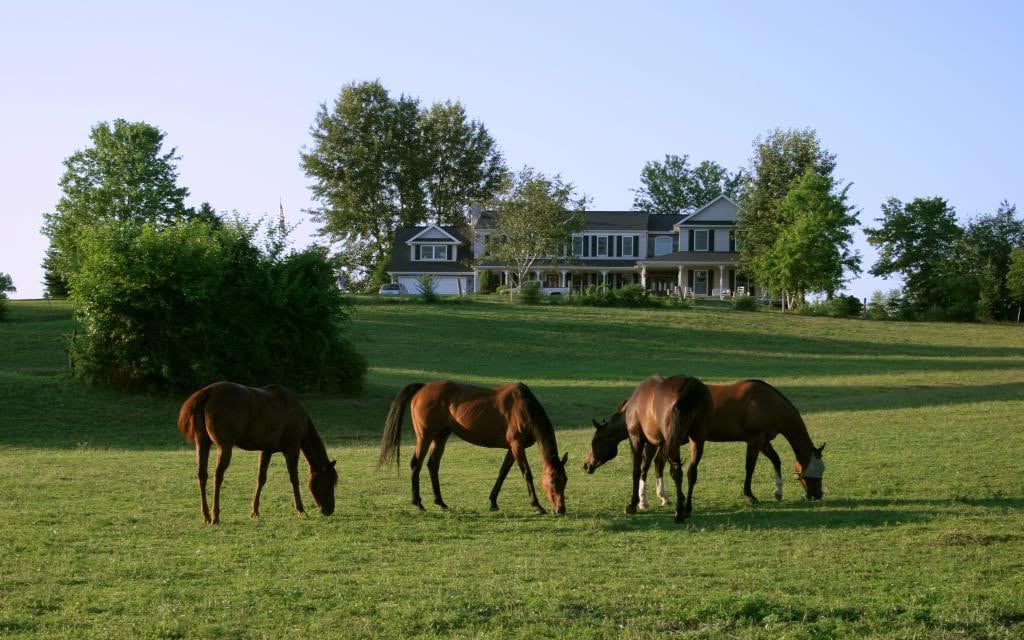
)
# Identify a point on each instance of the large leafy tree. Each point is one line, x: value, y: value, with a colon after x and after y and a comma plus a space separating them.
x: 780, y: 158
x: 1015, y: 278
x: 379, y: 163
x: 812, y: 252
x: 126, y: 176
x: 922, y: 242
x: 989, y: 239
x: 675, y: 187
x: 536, y: 216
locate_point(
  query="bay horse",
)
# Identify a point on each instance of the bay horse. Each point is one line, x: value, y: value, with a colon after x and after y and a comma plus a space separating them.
x: 754, y: 412
x: 660, y: 415
x: 507, y: 417
x: 265, y: 419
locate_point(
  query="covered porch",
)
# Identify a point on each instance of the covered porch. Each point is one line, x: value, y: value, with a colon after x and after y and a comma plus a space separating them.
x: 694, y: 280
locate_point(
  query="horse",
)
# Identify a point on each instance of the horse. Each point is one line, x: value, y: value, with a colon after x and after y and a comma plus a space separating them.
x: 265, y: 419
x: 507, y: 417
x: 754, y: 412
x: 659, y: 415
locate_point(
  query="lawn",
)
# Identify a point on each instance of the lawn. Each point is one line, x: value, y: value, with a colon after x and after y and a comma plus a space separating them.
x: 920, y: 533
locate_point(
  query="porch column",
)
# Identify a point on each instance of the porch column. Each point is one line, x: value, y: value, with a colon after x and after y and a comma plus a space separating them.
x: 565, y: 275
x: 540, y: 276
x: 508, y: 278
x: 681, y: 279
x: 476, y: 281
x: 643, y: 276
x: 604, y: 276
x: 721, y: 281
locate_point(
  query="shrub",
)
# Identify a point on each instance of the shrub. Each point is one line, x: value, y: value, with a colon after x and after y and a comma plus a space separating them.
x: 184, y: 305
x: 428, y: 288
x: 837, y: 307
x: 529, y: 292
x: 631, y: 295
x: 744, y: 303
x: 877, y: 308
x: 486, y: 282
x: 6, y: 286
x: 596, y: 296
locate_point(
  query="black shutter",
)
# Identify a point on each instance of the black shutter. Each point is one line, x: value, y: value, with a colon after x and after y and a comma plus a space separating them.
x: 593, y: 245
x: 732, y: 280
x: 636, y: 246
x: 586, y: 247
x: 689, y: 276
x: 618, y: 246
x: 417, y: 249
x: 448, y: 256
x: 691, y: 247
x: 732, y: 241
x: 711, y: 239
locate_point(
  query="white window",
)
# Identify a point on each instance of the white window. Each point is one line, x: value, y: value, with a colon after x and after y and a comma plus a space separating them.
x: 737, y: 243
x: 700, y: 240
x: 662, y: 245
x: 627, y: 246
x: 602, y: 246
x: 577, y: 246
x: 434, y: 252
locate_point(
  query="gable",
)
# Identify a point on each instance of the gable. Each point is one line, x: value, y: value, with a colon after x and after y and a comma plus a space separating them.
x: 718, y: 211
x: 433, y: 233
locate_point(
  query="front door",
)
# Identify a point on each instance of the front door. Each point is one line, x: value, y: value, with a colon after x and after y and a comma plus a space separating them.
x: 551, y: 280
x: 700, y: 283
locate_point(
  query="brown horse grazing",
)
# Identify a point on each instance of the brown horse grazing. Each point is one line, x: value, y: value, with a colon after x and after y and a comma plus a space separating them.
x: 754, y: 412
x: 265, y: 419
x: 508, y: 417
x: 660, y: 415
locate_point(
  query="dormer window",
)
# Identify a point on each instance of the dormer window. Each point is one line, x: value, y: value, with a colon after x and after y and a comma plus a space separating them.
x: 434, y: 252
x: 700, y: 240
x: 662, y: 245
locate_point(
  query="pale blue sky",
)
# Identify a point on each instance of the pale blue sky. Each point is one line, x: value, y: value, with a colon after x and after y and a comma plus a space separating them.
x: 916, y: 99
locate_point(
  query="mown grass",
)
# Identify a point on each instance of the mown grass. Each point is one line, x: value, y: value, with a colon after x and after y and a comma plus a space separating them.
x: 919, y: 534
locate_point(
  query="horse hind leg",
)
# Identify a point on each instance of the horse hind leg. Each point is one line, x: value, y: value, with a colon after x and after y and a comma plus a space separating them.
x: 650, y: 451
x: 434, y: 463
x: 524, y: 466
x: 752, y: 451
x: 696, y: 452
x: 769, y: 452
x: 291, y: 459
x: 261, y: 479
x: 416, y: 464
x: 506, y: 465
x: 223, y: 460
x: 659, y: 474
x: 203, y: 463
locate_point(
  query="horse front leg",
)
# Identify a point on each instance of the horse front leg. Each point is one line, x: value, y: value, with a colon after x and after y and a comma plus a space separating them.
x: 223, y: 460
x: 696, y: 452
x: 636, y: 448
x: 506, y: 465
x: 752, y: 450
x: 659, y: 475
x: 291, y: 459
x: 524, y: 465
x: 203, y: 462
x: 769, y: 452
x: 676, y: 471
x: 434, y: 463
x: 261, y: 479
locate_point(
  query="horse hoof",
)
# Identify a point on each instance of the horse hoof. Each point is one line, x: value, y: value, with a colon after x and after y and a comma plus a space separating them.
x: 442, y: 505
x: 630, y: 509
x: 494, y: 506
x: 681, y: 517
x: 418, y: 504
x: 541, y: 511
x: 643, y: 506
x: 752, y: 500
x: 778, y: 497
x: 665, y: 502
x: 254, y: 514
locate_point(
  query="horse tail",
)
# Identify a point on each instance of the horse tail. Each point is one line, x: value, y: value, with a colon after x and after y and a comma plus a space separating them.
x: 192, y: 416
x: 691, y: 412
x: 389, y: 442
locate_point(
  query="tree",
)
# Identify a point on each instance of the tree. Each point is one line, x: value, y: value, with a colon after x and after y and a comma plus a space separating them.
x: 988, y: 242
x: 379, y: 163
x: 920, y: 241
x: 674, y: 187
x: 535, y: 218
x: 1015, y: 278
x: 125, y: 175
x: 6, y: 286
x: 780, y: 159
x: 812, y: 251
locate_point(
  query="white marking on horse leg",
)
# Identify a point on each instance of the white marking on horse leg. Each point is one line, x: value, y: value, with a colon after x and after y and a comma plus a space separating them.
x: 643, y: 494
x: 778, y: 486
x: 662, y: 493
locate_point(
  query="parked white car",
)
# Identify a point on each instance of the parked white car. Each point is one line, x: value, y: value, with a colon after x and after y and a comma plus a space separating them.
x: 392, y: 289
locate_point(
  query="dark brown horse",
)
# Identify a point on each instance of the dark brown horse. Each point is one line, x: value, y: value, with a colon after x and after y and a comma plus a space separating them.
x: 265, y: 419
x: 754, y: 412
x: 508, y: 417
x: 661, y: 414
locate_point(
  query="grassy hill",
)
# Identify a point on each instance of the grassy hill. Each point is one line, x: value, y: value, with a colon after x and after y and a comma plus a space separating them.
x: 919, y: 534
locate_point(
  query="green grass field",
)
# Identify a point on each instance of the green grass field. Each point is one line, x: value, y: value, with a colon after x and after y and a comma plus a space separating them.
x: 921, y: 533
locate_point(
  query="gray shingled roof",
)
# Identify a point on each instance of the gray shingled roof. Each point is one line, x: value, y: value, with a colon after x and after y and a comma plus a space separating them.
x: 695, y: 257
x: 401, y: 256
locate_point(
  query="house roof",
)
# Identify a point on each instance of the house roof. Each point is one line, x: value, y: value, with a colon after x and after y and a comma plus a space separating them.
x: 693, y: 257
x: 401, y: 254
x: 689, y: 218
x: 448, y: 235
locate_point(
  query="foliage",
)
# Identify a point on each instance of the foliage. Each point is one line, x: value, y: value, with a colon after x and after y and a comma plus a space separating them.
x: 536, y: 216
x: 674, y: 187
x: 596, y: 295
x: 529, y: 292
x: 379, y: 163
x: 6, y: 286
x: 179, y: 306
x: 1015, y: 276
x: 628, y: 296
x: 991, y: 298
x: 780, y: 159
x: 812, y: 251
x: 837, y: 307
x: 427, y: 285
x: 487, y: 281
x: 125, y: 175
x: 921, y: 242
x: 632, y: 295
x: 744, y: 303
x: 988, y: 242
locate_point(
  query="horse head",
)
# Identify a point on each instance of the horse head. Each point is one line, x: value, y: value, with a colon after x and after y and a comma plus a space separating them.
x: 321, y: 485
x: 553, y: 481
x: 810, y: 475
x: 605, y: 444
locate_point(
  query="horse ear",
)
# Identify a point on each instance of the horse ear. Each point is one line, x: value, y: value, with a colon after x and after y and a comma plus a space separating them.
x: 596, y: 425
x: 565, y: 459
x: 333, y: 462
x: 821, y: 448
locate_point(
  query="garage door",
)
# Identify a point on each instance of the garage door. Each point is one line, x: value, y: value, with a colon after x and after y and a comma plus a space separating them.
x: 444, y: 284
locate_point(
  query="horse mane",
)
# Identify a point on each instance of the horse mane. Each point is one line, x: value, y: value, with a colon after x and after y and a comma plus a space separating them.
x: 544, y: 430
x: 783, y: 396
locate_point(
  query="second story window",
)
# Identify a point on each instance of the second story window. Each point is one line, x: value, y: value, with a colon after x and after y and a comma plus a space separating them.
x: 434, y: 252
x: 577, y: 246
x: 627, y: 246
x: 602, y: 246
x: 700, y: 240
x: 662, y: 245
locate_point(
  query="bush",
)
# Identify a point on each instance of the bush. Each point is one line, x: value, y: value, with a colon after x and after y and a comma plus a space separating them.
x: 428, y: 288
x: 597, y: 295
x: 744, y: 303
x: 631, y: 295
x: 184, y: 305
x: 487, y: 283
x: 529, y: 292
x: 6, y: 286
x: 837, y: 307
